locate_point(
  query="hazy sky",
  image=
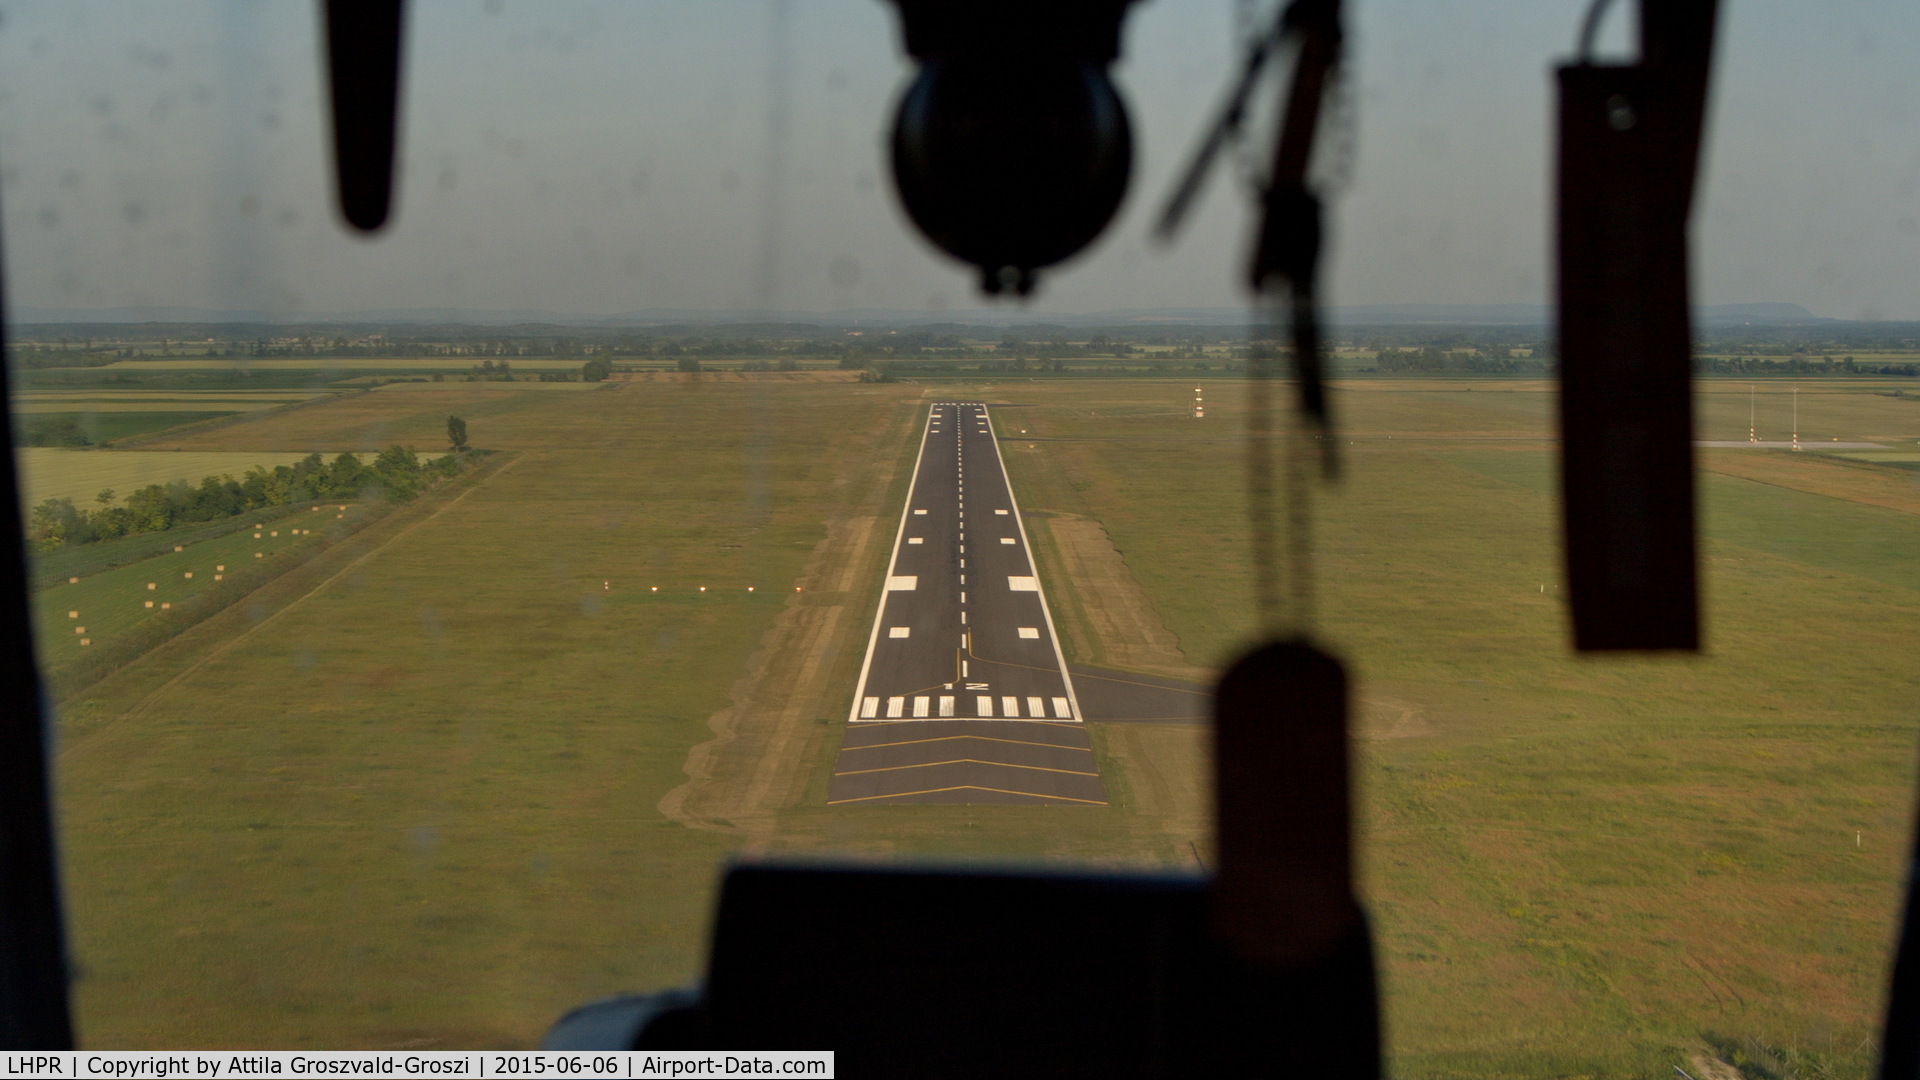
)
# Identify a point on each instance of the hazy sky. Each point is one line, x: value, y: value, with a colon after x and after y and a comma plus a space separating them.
x: 609, y: 157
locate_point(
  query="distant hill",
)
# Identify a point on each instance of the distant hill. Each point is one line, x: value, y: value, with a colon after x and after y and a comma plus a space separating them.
x: 1762, y: 314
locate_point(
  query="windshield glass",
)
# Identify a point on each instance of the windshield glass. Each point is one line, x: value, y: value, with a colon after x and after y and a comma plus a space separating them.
x: 428, y: 617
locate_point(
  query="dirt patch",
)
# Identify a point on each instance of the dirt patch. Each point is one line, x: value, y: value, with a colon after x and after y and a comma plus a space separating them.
x: 768, y: 743
x: 1113, y: 619
x: 1707, y: 1068
x: 1384, y: 718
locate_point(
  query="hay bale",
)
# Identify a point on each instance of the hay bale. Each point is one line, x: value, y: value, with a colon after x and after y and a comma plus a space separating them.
x: 165, y: 606
x: 149, y: 603
x: 86, y: 641
x: 151, y: 585
x: 73, y: 581
x: 222, y: 566
x: 79, y: 629
x: 73, y: 614
x: 217, y: 577
x: 189, y: 573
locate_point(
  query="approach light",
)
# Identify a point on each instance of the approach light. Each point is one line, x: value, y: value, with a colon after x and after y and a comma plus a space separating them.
x: 1011, y: 146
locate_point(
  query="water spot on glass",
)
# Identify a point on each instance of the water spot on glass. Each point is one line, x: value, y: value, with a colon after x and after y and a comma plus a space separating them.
x: 288, y: 217
x: 304, y: 659
x: 270, y: 120
x: 249, y: 206
x: 866, y: 181
x: 729, y: 181
x: 70, y: 179
x: 102, y: 105
x: 49, y: 217
x: 40, y: 47
x: 424, y: 839
x: 449, y: 179
x: 633, y: 266
x: 133, y: 213
x: 640, y: 180
x: 493, y: 7
x: 590, y: 604
x: 837, y: 80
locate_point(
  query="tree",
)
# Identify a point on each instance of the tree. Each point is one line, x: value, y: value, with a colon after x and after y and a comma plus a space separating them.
x: 596, y: 369
x: 105, y: 498
x: 457, y: 433
x: 689, y: 363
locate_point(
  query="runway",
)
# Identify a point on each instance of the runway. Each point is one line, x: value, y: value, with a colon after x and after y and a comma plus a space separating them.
x: 964, y: 694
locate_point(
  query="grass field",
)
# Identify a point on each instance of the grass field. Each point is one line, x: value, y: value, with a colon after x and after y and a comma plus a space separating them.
x: 486, y: 773
x: 339, y: 363
x: 92, y: 612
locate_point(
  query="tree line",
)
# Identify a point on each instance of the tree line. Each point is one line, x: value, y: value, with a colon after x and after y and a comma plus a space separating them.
x: 397, y: 473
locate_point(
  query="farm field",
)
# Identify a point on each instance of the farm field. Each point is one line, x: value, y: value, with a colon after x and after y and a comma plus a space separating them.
x: 96, y: 610
x: 106, y: 401
x: 490, y: 773
x: 58, y: 473
x: 340, y: 363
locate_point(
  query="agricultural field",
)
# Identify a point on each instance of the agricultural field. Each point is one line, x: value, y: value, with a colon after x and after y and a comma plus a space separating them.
x: 58, y: 473
x: 480, y: 770
x: 460, y: 364
x: 97, y: 611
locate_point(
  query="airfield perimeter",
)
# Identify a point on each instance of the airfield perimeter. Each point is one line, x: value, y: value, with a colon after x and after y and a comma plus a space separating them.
x: 487, y: 772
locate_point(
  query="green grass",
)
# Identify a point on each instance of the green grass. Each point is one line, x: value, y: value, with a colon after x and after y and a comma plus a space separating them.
x: 106, y: 427
x: 1576, y: 867
x: 113, y: 604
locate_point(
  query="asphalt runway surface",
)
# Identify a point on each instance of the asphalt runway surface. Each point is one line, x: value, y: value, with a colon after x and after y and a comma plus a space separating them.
x: 963, y: 630
x: 964, y: 695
